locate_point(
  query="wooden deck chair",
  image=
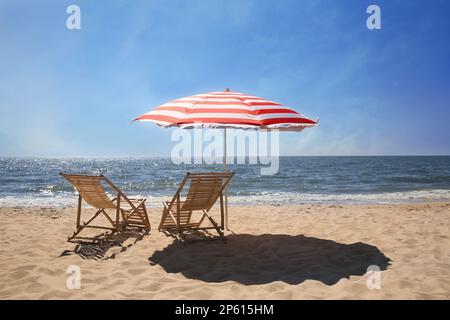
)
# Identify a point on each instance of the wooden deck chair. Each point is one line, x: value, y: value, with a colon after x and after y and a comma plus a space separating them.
x: 204, y: 190
x: 128, y: 212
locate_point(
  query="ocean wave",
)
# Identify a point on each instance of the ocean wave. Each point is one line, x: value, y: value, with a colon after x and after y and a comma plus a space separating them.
x: 434, y: 195
x: 411, y: 179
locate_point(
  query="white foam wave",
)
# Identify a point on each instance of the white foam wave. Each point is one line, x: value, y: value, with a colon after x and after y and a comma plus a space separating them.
x: 436, y: 195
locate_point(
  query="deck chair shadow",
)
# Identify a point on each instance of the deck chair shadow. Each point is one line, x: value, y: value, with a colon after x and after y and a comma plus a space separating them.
x: 204, y: 190
x: 127, y: 212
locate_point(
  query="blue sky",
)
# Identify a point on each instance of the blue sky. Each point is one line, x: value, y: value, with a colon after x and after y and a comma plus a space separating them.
x: 74, y: 92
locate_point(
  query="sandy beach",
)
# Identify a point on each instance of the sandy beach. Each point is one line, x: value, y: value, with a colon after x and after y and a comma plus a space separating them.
x: 276, y: 252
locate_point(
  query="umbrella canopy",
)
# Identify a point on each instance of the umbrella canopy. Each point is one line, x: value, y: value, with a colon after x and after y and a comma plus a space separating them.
x: 226, y: 109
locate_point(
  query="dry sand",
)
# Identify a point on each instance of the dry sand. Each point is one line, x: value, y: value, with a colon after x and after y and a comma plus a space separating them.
x: 277, y: 252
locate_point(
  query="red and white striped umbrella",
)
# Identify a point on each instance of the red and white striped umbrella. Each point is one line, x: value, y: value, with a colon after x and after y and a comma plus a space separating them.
x: 227, y: 109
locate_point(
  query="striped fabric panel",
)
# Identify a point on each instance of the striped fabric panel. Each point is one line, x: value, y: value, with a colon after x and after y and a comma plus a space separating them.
x: 226, y: 109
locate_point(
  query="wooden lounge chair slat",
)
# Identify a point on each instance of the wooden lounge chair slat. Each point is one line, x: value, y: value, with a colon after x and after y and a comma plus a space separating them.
x: 204, y: 191
x: 90, y: 189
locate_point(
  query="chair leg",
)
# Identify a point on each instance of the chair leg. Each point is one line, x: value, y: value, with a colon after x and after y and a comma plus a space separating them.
x: 215, y: 225
x: 178, y: 215
x: 222, y: 213
x: 108, y: 217
x: 145, y: 218
x: 81, y: 226
x: 164, y: 214
x: 142, y: 215
x: 80, y: 200
x: 118, y: 212
x: 201, y: 220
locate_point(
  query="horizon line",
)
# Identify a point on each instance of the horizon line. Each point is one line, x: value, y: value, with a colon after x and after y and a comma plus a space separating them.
x: 168, y: 157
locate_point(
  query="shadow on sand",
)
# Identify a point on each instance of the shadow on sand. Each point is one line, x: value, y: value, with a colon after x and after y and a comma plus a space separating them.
x: 107, y: 247
x: 262, y: 259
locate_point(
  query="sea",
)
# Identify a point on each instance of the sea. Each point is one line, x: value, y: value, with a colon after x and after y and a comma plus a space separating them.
x: 26, y: 182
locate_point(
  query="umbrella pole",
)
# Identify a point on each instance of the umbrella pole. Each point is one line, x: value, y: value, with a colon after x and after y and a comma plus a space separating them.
x: 226, y: 169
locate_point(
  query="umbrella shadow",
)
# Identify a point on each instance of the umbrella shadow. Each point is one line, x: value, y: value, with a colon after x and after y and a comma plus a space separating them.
x: 261, y: 259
